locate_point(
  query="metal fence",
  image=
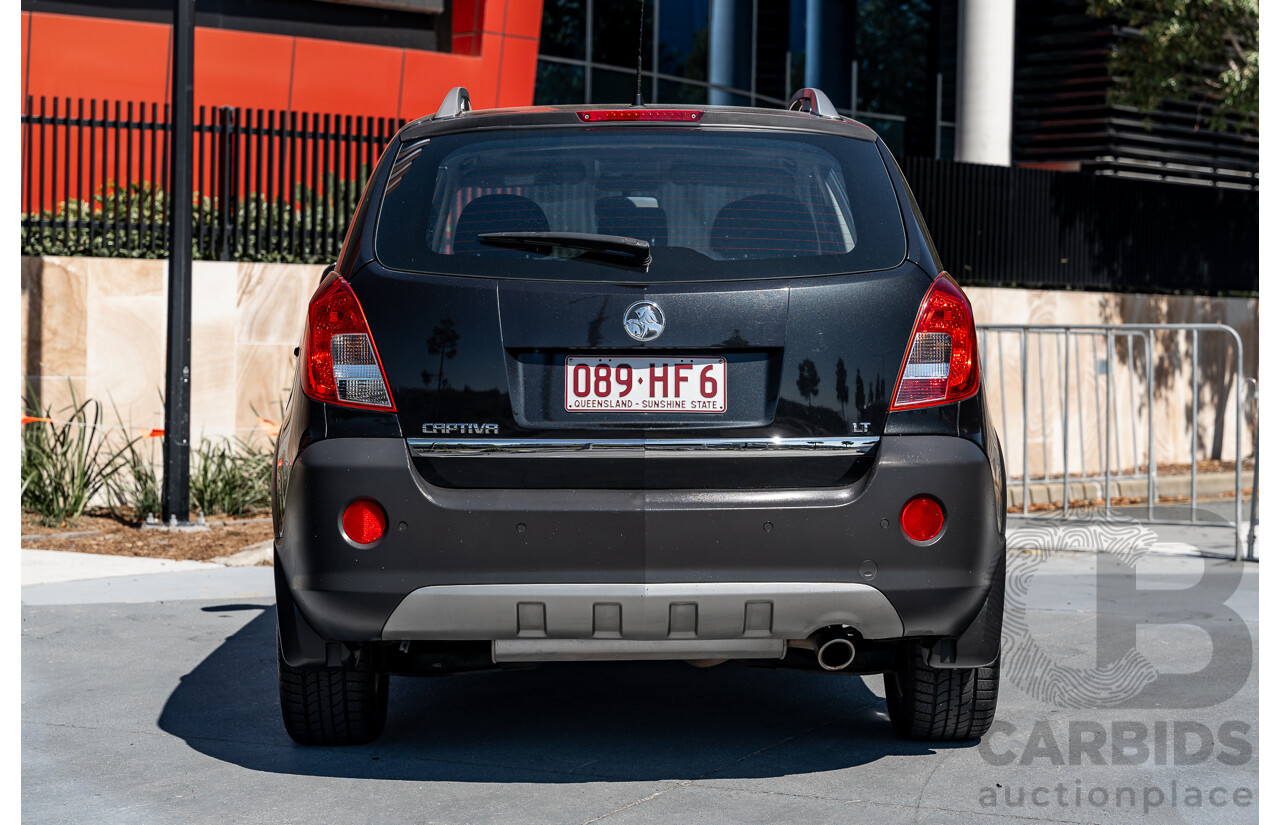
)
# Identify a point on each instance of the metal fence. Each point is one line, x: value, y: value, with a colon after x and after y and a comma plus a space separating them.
x: 282, y: 186
x: 1088, y: 414
x: 270, y: 185
x: 1006, y: 226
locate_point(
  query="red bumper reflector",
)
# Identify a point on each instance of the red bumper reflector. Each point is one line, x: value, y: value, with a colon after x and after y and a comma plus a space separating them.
x: 922, y: 518
x: 364, y: 522
x: 602, y: 115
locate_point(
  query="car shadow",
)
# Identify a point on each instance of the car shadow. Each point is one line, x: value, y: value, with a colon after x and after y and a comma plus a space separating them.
x: 556, y: 723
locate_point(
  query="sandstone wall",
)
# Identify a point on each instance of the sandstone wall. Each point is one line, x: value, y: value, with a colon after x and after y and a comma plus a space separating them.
x: 96, y: 325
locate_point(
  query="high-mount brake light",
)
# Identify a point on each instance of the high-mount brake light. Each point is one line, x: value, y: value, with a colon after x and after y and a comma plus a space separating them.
x: 941, y: 364
x: 602, y: 115
x: 340, y: 361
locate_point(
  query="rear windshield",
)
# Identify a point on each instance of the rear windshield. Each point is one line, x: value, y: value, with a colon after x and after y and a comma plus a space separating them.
x: 712, y: 204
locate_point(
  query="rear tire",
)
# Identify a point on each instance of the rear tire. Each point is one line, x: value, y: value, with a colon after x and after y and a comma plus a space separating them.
x: 941, y: 704
x: 334, y: 706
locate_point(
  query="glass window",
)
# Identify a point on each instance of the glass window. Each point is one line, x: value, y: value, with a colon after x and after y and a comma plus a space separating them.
x: 772, y: 43
x: 947, y: 149
x: 564, y: 29
x: 714, y: 204
x: 616, y: 86
x: 893, y: 49
x: 948, y: 34
x: 615, y: 24
x: 673, y: 91
x: 728, y: 98
x: 559, y: 83
x: 683, y: 38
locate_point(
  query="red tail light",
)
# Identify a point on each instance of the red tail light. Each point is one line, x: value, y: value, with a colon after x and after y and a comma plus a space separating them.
x: 364, y: 522
x: 341, y: 363
x: 603, y: 115
x: 941, y: 365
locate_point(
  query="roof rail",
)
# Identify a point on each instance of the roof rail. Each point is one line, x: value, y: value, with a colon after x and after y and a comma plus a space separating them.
x: 456, y: 102
x: 814, y: 102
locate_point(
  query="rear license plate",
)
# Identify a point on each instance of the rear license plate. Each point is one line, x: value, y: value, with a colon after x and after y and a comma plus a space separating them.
x: 695, y: 385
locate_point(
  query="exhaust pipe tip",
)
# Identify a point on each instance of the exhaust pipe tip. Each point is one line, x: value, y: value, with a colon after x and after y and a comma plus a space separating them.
x: 835, y: 654
x: 833, y: 647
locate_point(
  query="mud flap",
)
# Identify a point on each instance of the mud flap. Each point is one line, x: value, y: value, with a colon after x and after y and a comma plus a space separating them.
x: 300, y: 645
x: 979, y: 645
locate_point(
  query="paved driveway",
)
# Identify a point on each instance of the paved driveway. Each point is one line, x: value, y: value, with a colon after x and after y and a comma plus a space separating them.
x: 150, y: 698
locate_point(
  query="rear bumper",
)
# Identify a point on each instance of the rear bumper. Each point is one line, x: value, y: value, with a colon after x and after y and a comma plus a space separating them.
x: 644, y: 565
x: 720, y: 620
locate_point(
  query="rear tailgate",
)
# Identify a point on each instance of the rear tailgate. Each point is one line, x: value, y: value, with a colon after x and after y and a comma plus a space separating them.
x: 478, y: 361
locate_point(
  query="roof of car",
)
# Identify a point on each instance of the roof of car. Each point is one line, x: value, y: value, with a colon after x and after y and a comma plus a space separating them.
x: 535, y: 117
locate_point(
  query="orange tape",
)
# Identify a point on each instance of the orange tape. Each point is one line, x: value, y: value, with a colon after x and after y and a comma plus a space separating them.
x: 271, y: 428
x: 155, y: 433
x: 31, y: 419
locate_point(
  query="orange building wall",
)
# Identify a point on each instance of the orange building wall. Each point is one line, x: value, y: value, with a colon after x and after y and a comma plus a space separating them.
x: 495, y: 57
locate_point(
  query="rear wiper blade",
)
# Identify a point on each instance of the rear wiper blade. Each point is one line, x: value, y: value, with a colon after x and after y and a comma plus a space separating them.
x: 611, y: 250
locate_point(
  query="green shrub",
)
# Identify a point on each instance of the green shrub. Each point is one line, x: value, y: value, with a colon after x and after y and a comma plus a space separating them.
x: 305, y: 228
x: 231, y: 478
x: 65, y: 462
x: 137, y: 484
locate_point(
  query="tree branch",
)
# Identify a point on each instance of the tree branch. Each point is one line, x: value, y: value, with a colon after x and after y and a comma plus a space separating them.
x: 1235, y: 44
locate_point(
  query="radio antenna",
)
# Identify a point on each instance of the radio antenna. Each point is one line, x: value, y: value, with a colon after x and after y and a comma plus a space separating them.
x: 639, y: 101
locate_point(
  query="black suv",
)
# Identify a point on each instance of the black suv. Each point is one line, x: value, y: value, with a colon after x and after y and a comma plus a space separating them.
x: 638, y: 383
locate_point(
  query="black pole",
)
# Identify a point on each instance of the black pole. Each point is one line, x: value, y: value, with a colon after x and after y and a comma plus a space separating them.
x: 177, y: 394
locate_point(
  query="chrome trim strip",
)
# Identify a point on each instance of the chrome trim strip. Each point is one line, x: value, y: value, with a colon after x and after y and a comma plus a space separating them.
x: 640, y: 447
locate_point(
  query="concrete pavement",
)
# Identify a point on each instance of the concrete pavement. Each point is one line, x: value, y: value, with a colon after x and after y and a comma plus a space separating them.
x: 50, y: 566
x: 57, y: 577
x: 150, y: 697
